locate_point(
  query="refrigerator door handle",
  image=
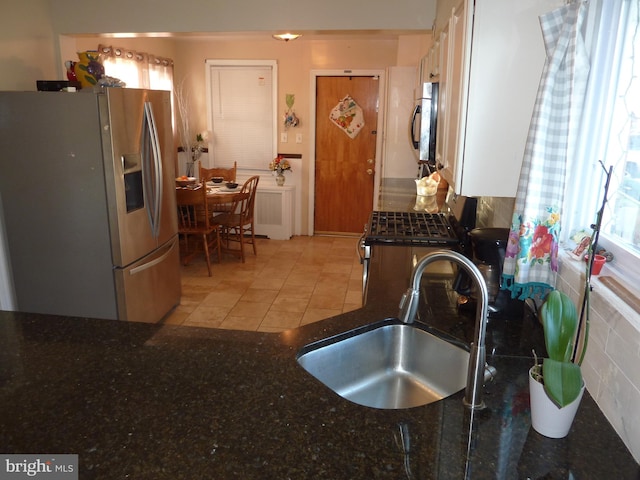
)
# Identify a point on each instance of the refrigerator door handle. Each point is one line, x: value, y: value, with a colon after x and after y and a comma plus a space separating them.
x: 156, y: 158
x: 153, y: 262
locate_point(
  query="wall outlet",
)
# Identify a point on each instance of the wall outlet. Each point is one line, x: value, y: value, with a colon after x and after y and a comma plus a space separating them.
x: 284, y: 138
x: 298, y: 138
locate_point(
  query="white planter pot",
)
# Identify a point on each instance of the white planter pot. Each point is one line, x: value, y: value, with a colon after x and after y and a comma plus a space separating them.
x: 546, y: 418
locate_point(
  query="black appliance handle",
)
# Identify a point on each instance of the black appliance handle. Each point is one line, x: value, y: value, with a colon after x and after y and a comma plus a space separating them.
x: 462, y: 283
x: 416, y: 111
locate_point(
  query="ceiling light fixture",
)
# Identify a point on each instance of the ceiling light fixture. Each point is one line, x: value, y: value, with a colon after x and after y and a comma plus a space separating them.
x: 286, y: 36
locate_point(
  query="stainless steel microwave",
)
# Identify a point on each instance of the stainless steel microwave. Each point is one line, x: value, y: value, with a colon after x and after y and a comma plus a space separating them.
x: 424, y: 122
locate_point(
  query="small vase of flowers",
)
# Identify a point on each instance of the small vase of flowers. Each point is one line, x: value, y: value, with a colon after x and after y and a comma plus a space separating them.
x: 195, y: 153
x: 278, y: 166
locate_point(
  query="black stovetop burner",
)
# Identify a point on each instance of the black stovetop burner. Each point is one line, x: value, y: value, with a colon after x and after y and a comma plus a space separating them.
x: 410, y: 228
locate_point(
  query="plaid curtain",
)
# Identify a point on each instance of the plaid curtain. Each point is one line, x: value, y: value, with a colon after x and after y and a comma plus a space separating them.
x: 530, y: 265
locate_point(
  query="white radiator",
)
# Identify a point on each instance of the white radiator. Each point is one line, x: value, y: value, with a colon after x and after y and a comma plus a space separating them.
x: 274, y: 212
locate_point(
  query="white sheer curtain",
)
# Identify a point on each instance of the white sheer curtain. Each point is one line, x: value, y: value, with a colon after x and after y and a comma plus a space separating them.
x: 610, y: 133
x: 137, y: 69
x: 586, y: 174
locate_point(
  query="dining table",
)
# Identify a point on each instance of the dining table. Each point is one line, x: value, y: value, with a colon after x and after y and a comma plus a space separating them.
x: 218, y: 195
x: 220, y: 198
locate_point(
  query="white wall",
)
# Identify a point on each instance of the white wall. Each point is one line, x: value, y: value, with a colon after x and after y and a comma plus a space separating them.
x: 71, y: 16
x: 27, y: 45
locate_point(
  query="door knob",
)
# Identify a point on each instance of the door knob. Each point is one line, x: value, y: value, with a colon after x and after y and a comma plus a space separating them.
x: 369, y: 171
x: 370, y: 161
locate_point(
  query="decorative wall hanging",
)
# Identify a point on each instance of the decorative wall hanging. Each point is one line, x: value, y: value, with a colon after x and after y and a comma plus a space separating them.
x: 348, y: 116
x: 290, y: 118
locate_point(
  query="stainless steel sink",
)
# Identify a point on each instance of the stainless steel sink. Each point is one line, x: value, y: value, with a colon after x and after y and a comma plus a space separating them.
x: 388, y: 365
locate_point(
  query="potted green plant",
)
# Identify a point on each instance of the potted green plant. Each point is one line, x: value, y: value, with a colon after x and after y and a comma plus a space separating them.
x: 556, y: 385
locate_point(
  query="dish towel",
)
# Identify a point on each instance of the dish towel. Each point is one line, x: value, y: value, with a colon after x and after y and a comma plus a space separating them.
x: 348, y: 116
x: 531, y: 258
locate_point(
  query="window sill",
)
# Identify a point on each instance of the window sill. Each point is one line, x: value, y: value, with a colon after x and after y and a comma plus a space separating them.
x: 608, y: 285
x: 627, y: 296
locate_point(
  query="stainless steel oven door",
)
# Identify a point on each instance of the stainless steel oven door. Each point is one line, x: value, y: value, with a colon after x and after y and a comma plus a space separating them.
x: 380, y: 260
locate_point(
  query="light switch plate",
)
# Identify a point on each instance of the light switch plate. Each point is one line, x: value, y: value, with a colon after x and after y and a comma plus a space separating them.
x: 298, y: 138
x: 283, y: 138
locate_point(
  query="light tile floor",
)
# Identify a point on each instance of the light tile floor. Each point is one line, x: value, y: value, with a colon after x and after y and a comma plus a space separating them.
x: 287, y: 284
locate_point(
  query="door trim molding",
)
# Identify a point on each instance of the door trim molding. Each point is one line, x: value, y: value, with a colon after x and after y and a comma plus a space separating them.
x: 381, y: 74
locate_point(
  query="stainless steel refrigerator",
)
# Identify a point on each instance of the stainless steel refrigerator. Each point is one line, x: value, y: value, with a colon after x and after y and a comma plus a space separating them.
x: 87, y: 189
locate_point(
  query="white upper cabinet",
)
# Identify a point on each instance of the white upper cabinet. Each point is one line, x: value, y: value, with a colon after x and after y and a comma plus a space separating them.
x: 443, y: 97
x: 492, y: 55
x: 431, y: 70
x: 453, y: 82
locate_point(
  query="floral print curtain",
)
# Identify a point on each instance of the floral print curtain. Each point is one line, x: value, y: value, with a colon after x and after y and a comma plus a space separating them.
x: 531, y: 265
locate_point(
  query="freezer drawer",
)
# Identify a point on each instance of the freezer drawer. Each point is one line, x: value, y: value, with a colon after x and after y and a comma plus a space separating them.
x: 149, y: 289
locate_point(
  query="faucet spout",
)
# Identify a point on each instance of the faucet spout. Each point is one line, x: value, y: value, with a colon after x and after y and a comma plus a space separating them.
x: 409, y: 308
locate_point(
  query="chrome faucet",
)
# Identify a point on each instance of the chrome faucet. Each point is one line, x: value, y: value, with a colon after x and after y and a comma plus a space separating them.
x: 409, y: 308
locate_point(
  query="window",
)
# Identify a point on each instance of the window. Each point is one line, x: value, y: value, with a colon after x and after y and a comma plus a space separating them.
x: 611, y: 134
x: 242, y: 112
x: 137, y: 69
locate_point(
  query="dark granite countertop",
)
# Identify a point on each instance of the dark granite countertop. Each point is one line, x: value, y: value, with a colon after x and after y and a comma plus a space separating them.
x: 145, y: 401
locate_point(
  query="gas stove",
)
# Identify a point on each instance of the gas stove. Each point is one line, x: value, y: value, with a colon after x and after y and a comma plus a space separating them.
x: 410, y: 228
x: 419, y: 230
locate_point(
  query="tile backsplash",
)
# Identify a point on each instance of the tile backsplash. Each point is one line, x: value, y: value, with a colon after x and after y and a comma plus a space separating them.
x: 611, y: 364
x: 495, y: 211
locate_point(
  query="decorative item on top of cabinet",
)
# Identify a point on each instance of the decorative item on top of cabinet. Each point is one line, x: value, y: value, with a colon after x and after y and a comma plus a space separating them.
x: 71, y: 74
x: 89, y: 69
x: 487, y: 92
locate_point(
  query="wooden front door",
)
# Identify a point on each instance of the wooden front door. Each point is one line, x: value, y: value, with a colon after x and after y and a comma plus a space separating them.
x: 344, y: 169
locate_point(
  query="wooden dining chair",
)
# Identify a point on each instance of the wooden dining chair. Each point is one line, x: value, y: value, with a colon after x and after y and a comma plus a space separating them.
x: 228, y: 174
x: 194, y: 219
x: 238, y: 224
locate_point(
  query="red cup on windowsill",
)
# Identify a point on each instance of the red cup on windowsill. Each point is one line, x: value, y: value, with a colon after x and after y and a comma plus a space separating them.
x: 598, y: 263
